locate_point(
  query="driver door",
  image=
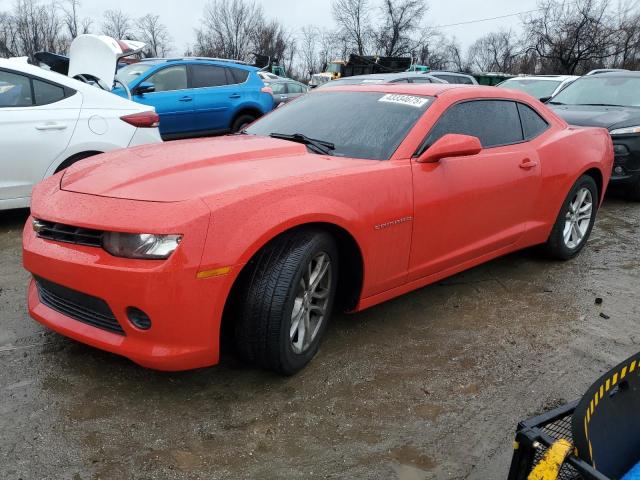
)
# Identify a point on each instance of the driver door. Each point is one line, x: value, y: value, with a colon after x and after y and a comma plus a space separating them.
x: 469, y: 207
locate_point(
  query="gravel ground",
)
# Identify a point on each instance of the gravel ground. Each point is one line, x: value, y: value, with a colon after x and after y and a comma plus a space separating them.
x: 428, y: 386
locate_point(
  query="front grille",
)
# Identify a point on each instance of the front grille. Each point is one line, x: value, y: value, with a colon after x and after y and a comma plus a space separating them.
x: 60, y: 232
x: 81, y: 307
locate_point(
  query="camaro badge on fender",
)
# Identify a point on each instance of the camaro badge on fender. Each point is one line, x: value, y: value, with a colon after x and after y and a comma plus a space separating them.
x: 382, y: 226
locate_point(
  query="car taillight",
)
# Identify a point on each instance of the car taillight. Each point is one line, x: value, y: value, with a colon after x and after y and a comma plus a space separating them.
x: 268, y: 90
x: 142, y: 120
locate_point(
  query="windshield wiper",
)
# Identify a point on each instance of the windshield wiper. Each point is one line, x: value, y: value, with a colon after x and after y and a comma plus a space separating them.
x: 320, y: 146
x: 555, y: 103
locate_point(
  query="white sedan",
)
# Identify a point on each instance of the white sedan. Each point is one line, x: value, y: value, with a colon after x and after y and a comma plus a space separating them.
x: 49, y: 121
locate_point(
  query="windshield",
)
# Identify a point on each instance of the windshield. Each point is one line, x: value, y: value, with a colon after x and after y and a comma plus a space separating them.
x: 535, y: 88
x: 369, y: 125
x: 601, y: 90
x: 132, y: 72
x: 334, y: 67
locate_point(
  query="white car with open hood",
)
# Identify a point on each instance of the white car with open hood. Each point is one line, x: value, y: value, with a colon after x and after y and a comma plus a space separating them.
x: 49, y: 121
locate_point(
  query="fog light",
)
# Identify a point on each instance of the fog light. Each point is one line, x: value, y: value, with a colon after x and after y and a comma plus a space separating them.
x: 618, y: 170
x: 139, y: 318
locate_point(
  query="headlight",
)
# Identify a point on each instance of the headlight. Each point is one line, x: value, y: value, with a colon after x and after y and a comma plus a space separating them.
x: 140, y: 245
x: 626, y: 130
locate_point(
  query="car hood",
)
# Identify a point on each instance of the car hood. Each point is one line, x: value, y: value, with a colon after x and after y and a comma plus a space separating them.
x: 592, y: 116
x: 188, y: 169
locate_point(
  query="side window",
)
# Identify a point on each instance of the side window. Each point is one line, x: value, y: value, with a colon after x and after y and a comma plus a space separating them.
x: 401, y: 80
x: 15, y: 90
x: 208, y: 76
x: 421, y: 80
x: 171, y: 78
x: 237, y: 75
x: 295, y: 88
x: 494, y: 122
x: 532, y: 123
x: 47, y: 93
x: 277, y: 87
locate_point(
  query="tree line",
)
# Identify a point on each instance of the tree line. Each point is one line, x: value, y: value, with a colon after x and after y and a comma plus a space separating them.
x: 559, y: 37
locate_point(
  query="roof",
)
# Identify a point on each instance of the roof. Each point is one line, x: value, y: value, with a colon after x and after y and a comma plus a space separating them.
x: 388, y: 76
x: 616, y: 73
x: 551, y: 78
x: 446, y: 72
x: 156, y: 61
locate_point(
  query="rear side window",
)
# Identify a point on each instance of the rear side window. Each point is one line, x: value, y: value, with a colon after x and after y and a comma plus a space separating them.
x: 47, y: 93
x: 278, y: 88
x: 208, y: 76
x: 171, y: 78
x: 237, y: 75
x: 455, y: 79
x: 296, y: 88
x: 421, y: 80
x: 494, y: 122
x: 15, y: 90
x: 532, y: 123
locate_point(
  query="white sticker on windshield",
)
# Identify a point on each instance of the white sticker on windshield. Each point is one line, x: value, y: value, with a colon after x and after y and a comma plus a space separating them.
x: 408, y: 100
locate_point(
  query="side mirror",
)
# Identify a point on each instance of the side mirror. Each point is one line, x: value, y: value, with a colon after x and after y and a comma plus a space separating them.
x: 451, y: 145
x: 545, y: 99
x: 144, y: 87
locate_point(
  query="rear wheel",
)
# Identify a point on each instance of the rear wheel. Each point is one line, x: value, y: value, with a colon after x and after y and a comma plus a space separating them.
x: 575, y: 220
x: 241, y: 122
x: 287, y: 301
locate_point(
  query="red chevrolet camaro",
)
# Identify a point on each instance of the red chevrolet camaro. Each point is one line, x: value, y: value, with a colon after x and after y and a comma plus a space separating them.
x: 344, y: 198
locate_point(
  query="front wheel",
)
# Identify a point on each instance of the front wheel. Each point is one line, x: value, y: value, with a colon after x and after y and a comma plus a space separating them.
x: 287, y: 301
x: 575, y: 220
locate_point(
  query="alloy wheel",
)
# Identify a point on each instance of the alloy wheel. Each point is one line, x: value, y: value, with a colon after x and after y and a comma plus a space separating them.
x: 578, y: 218
x: 311, y: 303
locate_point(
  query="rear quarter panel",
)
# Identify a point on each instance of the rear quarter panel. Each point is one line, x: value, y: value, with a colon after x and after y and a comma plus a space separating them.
x: 566, y: 155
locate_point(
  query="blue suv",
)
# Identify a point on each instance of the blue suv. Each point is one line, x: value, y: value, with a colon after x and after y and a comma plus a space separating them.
x: 197, y: 96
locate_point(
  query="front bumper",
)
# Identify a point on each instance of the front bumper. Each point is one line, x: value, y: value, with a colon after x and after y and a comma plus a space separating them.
x: 626, y: 167
x: 185, y: 311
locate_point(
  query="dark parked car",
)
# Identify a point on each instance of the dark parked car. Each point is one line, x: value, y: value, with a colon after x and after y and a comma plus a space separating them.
x: 285, y: 90
x: 454, y: 77
x: 379, y: 78
x: 609, y: 100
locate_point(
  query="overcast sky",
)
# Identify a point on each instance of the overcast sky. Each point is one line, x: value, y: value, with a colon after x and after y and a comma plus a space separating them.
x: 183, y: 16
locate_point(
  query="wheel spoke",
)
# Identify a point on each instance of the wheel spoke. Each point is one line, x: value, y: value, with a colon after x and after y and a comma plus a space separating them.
x: 321, y: 272
x: 567, y: 232
x: 296, y: 316
x: 581, y: 196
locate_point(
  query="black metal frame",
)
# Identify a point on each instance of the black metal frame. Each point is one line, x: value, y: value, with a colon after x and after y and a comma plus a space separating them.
x: 532, y: 441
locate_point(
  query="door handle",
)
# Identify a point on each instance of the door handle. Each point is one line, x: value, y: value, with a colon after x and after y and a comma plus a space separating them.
x: 527, y: 164
x: 235, y: 95
x: 186, y: 99
x: 283, y: 97
x: 51, y: 126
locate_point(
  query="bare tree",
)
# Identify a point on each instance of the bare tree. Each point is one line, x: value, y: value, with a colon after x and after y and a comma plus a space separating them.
x: 400, y: 21
x: 309, y: 51
x: 118, y: 25
x: 572, y: 37
x: 494, y: 52
x: 37, y: 27
x: 352, y: 17
x: 228, y: 28
x: 8, y: 36
x: 155, y: 34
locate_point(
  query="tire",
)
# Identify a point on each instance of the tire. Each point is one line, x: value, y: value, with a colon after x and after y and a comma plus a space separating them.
x: 570, y: 234
x: 242, y: 121
x: 272, y: 299
x: 73, y: 159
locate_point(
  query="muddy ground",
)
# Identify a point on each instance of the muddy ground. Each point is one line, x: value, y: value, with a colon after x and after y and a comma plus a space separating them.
x: 430, y: 385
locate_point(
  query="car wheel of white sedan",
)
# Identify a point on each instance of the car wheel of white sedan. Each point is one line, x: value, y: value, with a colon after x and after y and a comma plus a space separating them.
x: 575, y: 220
x: 287, y: 301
